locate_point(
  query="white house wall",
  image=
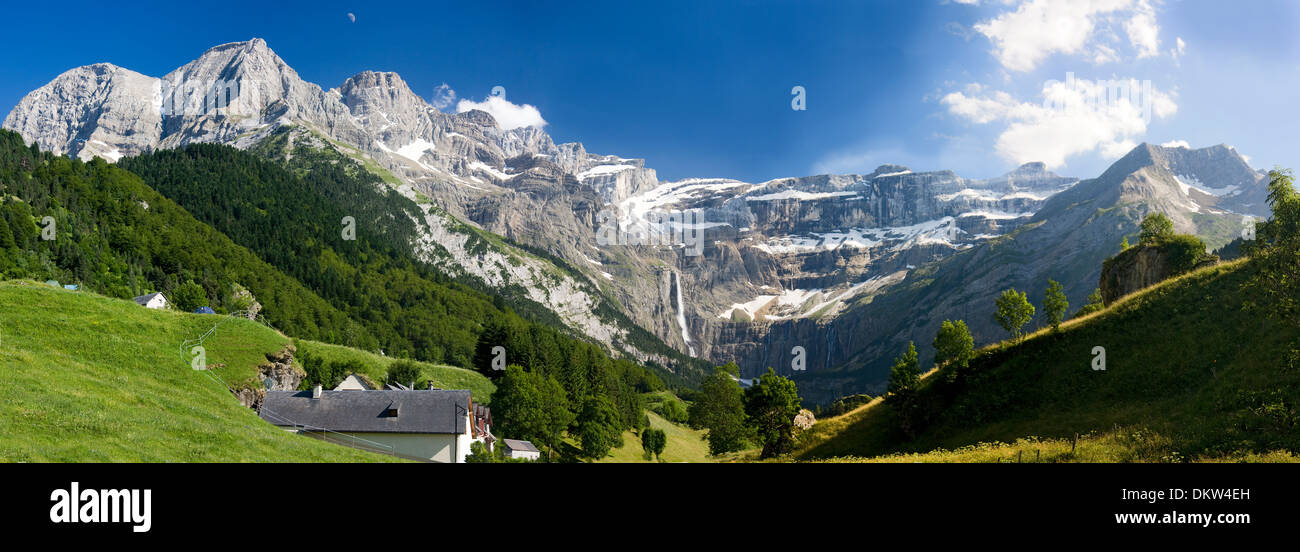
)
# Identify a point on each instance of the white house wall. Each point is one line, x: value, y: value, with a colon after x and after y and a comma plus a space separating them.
x: 420, y: 446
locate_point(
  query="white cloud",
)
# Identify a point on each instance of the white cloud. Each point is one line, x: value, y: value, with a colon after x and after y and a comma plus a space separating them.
x: 1179, y: 49
x: 1176, y: 144
x: 1034, y: 30
x: 1143, y: 31
x: 1075, y: 117
x: 508, y: 115
x: 1116, y: 150
x: 1104, y: 118
x: 1104, y: 54
x: 979, y: 110
x: 1039, y: 28
x: 443, y: 96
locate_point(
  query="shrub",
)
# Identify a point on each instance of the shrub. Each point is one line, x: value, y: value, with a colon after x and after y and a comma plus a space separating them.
x: 404, y: 372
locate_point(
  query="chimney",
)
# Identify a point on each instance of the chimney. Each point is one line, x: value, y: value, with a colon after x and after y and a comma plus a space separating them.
x: 315, y: 392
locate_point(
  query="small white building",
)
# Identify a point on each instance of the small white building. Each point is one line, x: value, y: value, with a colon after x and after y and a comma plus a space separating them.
x: 152, y: 301
x: 520, y: 449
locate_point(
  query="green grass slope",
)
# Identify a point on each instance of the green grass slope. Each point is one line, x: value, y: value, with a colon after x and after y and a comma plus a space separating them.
x: 376, y: 368
x: 1188, y: 369
x: 684, y: 445
x: 88, y: 378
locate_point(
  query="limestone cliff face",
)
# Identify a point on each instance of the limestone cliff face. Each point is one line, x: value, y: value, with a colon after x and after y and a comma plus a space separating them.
x: 1144, y: 266
x: 1132, y: 270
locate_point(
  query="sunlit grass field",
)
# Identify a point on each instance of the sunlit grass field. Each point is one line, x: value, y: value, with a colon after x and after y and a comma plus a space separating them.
x: 86, y: 378
x: 1190, y: 370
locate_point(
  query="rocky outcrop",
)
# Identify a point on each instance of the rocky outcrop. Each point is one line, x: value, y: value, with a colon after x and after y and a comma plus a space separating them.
x: 242, y: 296
x: 278, y: 373
x: 1146, y: 265
x: 804, y: 421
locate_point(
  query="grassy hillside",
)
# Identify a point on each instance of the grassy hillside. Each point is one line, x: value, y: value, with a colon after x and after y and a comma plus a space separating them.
x: 684, y: 444
x: 376, y: 367
x: 1178, y: 372
x: 93, y: 379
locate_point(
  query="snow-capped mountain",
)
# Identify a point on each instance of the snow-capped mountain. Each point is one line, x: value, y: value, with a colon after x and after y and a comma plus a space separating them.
x: 788, y: 262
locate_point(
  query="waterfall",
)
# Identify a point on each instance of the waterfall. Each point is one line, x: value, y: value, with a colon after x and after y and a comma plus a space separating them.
x: 681, y: 313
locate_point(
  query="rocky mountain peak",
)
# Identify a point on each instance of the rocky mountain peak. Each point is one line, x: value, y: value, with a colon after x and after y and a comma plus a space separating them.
x: 241, y: 89
x: 890, y: 169
x: 1142, y: 157
x: 1182, y: 183
x: 477, y: 117
x: 99, y: 69
x: 251, y: 59
x: 1034, y: 168
x: 99, y: 109
x: 1216, y: 177
x: 385, y: 105
x: 375, y: 86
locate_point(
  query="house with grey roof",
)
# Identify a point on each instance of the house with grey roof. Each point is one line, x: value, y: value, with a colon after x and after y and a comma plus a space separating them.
x: 152, y: 301
x: 520, y: 449
x: 426, y: 425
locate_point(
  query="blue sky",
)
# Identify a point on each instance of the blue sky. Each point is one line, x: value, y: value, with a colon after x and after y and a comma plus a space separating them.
x: 703, y: 88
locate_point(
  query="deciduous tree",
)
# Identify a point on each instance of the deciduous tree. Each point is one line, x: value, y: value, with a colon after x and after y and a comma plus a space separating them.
x: 720, y: 410
x: 599, y: 428
x: 1155, y: 227
x: 1277, y: 252
x: 1014, y: 311
x: 770, y: 407
x: 1055, y: 304
x: 653, y: 442
x: 1095, y: 303
x: 953, y: 348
